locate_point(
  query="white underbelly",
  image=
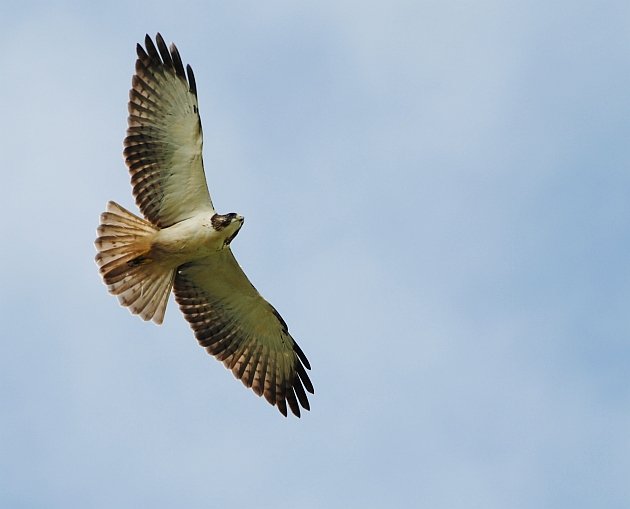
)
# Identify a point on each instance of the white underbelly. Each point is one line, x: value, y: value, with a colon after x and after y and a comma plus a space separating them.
x: 186, y: 241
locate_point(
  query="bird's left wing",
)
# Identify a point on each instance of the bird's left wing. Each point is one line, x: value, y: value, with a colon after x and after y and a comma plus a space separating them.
x: 164, y: 139
x: 234, y: 323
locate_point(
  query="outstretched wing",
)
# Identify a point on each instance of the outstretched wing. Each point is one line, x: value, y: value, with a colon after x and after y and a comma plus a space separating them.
x: 164, y: 138
x: 235, y: 324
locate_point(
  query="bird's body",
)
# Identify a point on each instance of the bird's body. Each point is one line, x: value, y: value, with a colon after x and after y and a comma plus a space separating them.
x: 193, y: 239
x: 183, y: 244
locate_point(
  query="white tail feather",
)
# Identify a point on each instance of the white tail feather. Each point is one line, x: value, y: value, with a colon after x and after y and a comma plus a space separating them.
x: 124, y: 245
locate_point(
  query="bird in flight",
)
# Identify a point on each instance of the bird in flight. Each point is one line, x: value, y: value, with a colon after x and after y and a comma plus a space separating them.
x: 183, y: 244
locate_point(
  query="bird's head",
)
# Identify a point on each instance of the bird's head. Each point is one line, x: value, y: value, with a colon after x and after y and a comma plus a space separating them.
x: 228, y: 224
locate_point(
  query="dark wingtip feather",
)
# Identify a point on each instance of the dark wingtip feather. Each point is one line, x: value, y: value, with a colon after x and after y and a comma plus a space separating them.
x: 151, y: 49
x: 191, y: 79
x: 293, y: 404
x: 301, y: 355
x: 142, y: 55
x: 308, y: 385
x: 282, y: 406
x: 166, y: 56
x: 177, y: 62
x: 299, y: 392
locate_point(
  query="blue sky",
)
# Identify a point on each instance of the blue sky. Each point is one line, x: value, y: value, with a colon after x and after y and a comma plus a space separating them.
x: 437, y: 201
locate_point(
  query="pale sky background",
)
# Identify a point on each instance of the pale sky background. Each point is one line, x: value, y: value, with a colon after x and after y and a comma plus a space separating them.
x: 437, y: 200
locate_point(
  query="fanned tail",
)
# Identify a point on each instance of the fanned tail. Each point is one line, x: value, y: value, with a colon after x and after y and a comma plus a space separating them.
x: 124, y: 245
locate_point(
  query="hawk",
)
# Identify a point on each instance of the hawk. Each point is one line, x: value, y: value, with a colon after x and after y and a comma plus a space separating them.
x: 183, y: 244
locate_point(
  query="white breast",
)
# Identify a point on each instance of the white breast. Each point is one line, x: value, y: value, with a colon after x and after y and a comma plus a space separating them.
x: 188, y: 240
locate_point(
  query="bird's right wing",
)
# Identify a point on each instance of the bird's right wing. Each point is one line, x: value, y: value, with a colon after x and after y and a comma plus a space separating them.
x: 164, y: 139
